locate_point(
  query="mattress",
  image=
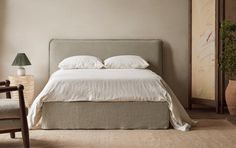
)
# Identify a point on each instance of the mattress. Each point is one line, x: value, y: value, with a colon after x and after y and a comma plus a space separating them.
x: 105, y: 115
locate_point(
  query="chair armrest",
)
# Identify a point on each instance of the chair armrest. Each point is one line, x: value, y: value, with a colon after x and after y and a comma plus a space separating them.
x: 5, y: 83
x: 2, y: 83
x: 8, y: 89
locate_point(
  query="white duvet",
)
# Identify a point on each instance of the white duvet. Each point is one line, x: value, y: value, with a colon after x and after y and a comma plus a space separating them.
x: 109, y: 85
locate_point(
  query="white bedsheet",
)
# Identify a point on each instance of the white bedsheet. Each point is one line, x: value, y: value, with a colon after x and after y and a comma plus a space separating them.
x: 109, y: 85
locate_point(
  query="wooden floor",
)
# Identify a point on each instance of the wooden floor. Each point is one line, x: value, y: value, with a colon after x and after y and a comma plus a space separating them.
x: 201, y: 112
x: 206, y: 112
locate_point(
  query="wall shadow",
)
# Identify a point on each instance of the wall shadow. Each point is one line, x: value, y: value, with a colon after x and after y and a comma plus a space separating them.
x: 180, y: 88
x: 2, y: 27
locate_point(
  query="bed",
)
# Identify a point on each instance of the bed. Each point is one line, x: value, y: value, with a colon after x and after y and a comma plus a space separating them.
x: 106, y: 114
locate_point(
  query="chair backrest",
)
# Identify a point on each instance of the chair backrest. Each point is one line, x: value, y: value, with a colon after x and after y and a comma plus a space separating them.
x: 6, y: 84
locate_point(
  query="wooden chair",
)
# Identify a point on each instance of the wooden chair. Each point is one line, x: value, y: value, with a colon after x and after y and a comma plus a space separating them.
x: 13, y: 112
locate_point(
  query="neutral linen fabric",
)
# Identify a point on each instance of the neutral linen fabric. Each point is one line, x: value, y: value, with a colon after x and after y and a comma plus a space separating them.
x: 9, y: 108
x: 125, y: 62
x: 81, y: 62
x: 149, y: 49
x: 6, y: 124
x: 105, y: 115
x: 109, y: 85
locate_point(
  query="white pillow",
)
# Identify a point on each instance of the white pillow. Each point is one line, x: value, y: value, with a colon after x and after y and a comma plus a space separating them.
x: 81, y: 62
x: 126, y: 62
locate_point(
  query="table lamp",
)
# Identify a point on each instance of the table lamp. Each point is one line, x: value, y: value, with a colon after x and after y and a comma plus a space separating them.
x: 21, y: 60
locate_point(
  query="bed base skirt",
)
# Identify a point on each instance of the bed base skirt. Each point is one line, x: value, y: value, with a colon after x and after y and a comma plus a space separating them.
x: 105, y: 115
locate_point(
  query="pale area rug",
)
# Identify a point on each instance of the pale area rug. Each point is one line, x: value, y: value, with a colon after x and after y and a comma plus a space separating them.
x: 208, y: 134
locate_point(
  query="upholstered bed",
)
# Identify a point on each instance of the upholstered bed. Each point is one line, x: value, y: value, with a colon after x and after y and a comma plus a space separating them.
x: 110, y: 114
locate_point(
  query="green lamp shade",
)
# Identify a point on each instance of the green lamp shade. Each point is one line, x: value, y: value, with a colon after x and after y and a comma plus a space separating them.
x: 21, y: 60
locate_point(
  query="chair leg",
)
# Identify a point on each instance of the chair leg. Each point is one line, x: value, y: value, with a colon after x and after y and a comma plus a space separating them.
x: 25, y: 136
x: 24, y: 124
x: 12, y: 134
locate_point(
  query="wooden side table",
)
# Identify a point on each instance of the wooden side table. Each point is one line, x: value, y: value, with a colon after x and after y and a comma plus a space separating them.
x: 28, y: 82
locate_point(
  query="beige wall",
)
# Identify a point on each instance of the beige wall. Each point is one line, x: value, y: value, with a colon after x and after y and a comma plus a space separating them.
x: 28, y: 25
x: 203, y: 49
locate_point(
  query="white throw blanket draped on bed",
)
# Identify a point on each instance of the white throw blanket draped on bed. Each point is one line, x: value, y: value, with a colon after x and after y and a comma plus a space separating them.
x: 109, y: 85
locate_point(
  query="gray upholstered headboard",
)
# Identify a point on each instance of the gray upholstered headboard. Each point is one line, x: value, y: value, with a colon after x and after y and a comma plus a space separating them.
x: 149, y: 49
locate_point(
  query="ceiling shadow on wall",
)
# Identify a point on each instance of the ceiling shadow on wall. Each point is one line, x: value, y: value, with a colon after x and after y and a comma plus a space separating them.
x: 2, y: 27
x: 170, y: 75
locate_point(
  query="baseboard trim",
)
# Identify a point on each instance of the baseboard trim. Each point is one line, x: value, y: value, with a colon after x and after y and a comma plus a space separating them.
x: 201, y: 101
